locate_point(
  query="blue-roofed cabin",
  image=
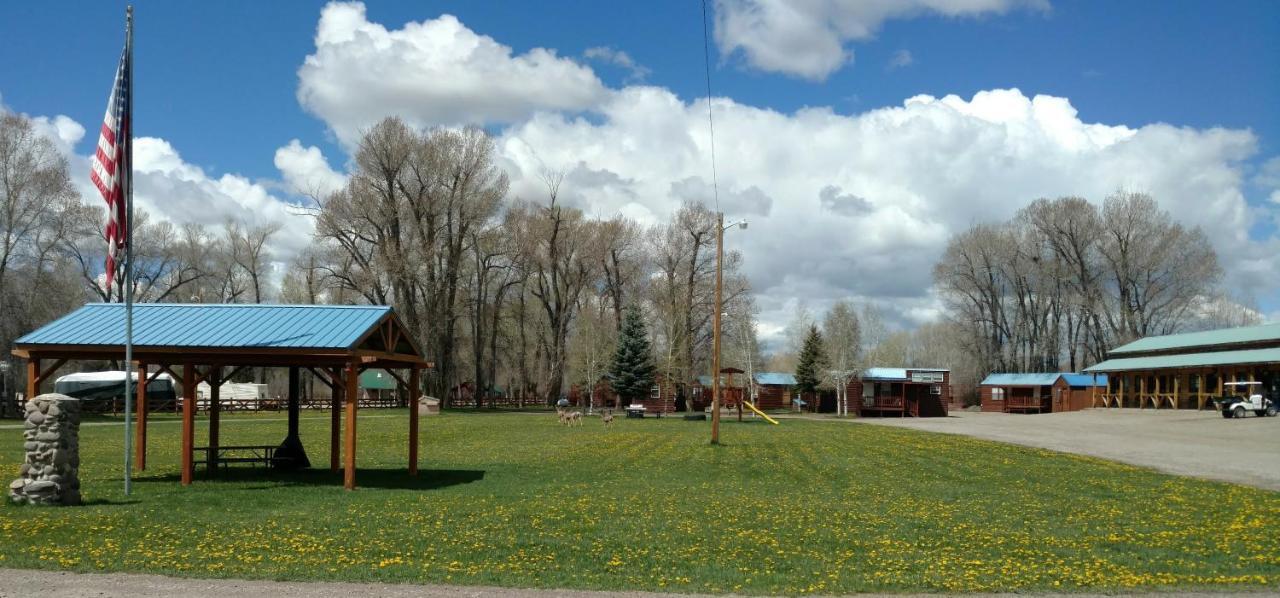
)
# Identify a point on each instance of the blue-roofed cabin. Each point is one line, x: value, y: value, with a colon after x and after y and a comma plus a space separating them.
x: 902, y: 392
x: 773, y: 390
x: 1047, y: 392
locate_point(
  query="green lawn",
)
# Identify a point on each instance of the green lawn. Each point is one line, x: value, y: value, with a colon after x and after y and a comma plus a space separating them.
x: 516, y: 500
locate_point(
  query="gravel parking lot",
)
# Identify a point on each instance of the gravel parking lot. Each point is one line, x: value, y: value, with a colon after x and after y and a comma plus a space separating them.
x: 1192, y: 443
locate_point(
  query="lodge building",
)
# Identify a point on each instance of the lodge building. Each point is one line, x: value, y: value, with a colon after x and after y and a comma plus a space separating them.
x: 1183, y: 371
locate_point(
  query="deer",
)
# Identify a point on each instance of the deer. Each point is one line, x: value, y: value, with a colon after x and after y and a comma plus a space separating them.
x: 607, y: 417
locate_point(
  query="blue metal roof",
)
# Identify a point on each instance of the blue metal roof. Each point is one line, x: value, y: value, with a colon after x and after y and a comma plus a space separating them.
x: 1085, y: 380
x: 776, y: 378
x: 203, y: 325
x: 1041, y: 379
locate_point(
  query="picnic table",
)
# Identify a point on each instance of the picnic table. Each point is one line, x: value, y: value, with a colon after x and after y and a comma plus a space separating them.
x: 254, y: 455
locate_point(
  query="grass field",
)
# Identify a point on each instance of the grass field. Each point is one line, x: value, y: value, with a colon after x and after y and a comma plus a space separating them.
x: 516, y: 500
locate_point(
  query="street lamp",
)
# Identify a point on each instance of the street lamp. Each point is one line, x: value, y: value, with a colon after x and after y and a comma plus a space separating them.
x: 715, y: 324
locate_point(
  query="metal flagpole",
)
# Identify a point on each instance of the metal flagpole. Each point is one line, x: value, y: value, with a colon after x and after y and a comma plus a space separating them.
x: 128, y: 259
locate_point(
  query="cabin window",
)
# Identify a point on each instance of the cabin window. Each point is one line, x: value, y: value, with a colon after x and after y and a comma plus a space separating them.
x: 997, y: 394
x: 936, y: 389
x: 655, y: 392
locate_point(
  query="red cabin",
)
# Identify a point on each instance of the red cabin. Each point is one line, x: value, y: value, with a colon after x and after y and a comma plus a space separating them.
x: 902, y: 392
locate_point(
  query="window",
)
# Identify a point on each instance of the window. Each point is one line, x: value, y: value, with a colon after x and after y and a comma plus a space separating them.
x: 997, y: 394
x: 655, y: 392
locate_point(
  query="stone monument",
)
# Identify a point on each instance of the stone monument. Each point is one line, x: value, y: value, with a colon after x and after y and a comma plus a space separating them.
x: 50, y: 473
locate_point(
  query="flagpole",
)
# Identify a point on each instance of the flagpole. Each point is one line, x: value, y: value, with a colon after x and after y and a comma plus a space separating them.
x: 128, y: 260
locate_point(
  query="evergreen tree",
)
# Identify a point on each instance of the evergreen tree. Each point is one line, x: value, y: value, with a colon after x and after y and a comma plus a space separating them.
x: 813, y: 361
x: 631, y: 372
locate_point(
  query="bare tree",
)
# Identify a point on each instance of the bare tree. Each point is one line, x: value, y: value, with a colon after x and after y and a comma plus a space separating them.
x: 843, y: 336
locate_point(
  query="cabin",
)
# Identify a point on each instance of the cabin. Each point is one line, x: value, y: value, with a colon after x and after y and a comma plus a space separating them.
x: 1185, y: 371
x: 1050, y: 392
x: 661, y: 398
x: 902, y: 392
x: 773, y: 390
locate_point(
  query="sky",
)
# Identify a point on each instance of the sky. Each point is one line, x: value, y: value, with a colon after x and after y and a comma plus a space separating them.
x: 856, y: 137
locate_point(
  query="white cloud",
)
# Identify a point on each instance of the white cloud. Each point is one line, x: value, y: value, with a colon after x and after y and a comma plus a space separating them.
x: 169, y: 188
x: 862, y: 205
x: 619, y: 58
x: 306, y: 172
x: 809, y: 38
x: 431, y: 72
x: 900, y: 59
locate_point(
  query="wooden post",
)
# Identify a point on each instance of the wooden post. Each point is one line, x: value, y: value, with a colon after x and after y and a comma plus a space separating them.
x: 1155, y: 398
x: 214, y: 380
x: 1177, y: 388
x: 1200, y: 390
x: 140, y: 450
x: 414, y: 385
x: 188, y: 422
x: 1093, y: 392
x: 1120, y: 400
x: 1142, y: 391
x: 33, y: 378
x: 295, y: 387
x: 715, y: 333
x: 335, y: 418
x: 349, y: 458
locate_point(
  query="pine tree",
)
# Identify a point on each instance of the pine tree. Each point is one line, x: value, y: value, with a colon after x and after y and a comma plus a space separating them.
x: 813, y: 361
x: 631, y: 371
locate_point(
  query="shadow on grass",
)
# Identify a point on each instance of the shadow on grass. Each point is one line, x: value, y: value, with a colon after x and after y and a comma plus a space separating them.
x: 389, y: 479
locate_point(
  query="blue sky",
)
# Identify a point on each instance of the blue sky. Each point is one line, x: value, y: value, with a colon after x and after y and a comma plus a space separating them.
x: 219, y: 82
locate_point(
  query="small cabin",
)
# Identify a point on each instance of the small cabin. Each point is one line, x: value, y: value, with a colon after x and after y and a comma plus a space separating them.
x: 773, y: 390
x: 1050, y: 392
x: 902, y: 392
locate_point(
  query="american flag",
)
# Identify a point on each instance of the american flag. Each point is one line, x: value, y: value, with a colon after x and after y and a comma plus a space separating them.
x: 111, y: 165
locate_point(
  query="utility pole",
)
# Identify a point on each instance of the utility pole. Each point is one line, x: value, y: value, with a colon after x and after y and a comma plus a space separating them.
x: 715, y: 332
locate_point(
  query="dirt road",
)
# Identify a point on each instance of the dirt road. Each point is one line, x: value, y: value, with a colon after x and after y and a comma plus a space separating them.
x: 1192, y: 443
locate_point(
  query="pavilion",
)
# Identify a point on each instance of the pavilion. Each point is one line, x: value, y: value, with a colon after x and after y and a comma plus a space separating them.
x: 211, y: 343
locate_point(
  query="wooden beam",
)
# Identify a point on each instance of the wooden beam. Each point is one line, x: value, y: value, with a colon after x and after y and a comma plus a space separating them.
x: 335, y: 421
x: 44, y: 375
x: 33, y: 378
x: 188, y: 422
x: 349, y: 458
x: 324, y: 377
x: 237, y: 370
x: 214, y: 375
x: 414, y: 382
x: 140, y: 449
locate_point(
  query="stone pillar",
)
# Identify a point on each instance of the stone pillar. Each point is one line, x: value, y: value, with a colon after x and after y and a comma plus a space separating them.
x: 50, y: 473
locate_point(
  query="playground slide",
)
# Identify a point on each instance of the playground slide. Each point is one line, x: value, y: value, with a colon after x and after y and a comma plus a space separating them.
x: 760, y: 413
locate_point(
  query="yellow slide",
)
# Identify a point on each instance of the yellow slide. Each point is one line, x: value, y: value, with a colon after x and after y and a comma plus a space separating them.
x: 760, y: 413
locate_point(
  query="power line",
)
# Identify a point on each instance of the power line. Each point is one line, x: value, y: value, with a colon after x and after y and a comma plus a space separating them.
x: 711, y: 125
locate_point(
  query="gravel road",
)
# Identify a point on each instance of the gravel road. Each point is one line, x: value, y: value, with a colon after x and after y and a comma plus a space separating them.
x: 1191, y: 443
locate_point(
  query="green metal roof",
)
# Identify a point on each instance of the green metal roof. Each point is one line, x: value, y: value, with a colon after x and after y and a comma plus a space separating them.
x: 377, y: 380
x: 1206, y: 338
x: 1188, y: 360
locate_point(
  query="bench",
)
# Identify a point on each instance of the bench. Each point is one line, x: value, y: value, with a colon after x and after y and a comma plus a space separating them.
x: 254, y: 455
x: 636, y: 411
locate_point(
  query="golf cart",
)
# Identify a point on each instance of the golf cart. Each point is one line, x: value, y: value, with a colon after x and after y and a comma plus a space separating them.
x: 1240, y: 398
